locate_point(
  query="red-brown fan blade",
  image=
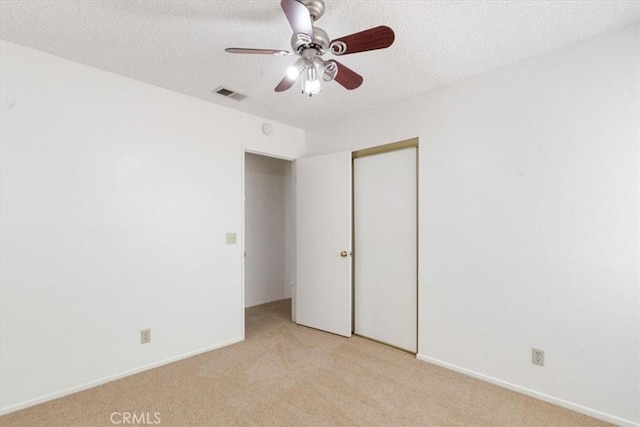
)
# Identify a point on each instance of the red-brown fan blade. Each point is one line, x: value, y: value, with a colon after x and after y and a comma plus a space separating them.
x: 292, y: 75
x: 347, y: 77
x: 257, y: 51
x: 374, y: 38
x: 298, y: 16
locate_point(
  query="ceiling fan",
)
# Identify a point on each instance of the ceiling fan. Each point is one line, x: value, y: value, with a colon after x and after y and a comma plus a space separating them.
x: 310, y: 43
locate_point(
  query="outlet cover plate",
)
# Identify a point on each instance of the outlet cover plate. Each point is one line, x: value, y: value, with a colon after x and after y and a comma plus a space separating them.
x: 537, y: 356
x: 145, y: 336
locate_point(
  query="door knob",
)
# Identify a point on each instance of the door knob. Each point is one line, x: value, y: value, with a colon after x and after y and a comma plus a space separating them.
x: 344, y: 254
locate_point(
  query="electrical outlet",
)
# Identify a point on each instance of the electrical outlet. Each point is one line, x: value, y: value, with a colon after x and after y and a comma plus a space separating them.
x: 537, y: 356
x: 145, y: 336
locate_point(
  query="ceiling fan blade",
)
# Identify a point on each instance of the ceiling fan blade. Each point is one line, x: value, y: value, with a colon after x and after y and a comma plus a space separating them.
x: 292, y: 75
x: 374, y: 38
x: 348, y: 78
x: 258, y: 51
x: 298, y: 16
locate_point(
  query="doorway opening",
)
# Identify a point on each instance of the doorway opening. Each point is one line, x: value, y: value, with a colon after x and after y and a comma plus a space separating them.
x: 269, y: 235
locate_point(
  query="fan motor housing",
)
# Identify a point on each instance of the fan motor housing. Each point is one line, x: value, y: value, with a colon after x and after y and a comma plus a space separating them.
x: 320, y: 42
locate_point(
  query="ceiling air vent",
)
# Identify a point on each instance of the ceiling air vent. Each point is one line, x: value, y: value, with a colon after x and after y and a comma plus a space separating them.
x: 229, y: 93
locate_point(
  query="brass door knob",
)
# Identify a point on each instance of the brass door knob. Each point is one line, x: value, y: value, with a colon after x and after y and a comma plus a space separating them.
x: 344, y: 254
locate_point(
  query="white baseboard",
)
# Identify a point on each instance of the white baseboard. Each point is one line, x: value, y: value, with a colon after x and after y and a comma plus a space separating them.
x: 91, y: 384
x: 541, y: 396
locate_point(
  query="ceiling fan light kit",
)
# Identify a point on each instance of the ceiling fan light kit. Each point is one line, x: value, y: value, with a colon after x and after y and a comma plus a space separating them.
x: 310, y: 43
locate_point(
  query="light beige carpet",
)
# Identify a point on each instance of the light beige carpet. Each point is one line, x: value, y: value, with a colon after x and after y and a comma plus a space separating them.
x: 289, y: 375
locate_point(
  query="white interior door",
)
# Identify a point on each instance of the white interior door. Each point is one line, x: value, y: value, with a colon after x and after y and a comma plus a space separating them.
x: 385, y: 250
x: 323, y: 236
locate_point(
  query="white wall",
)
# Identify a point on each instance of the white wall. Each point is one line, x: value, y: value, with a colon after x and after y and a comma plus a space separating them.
x: 116, y: 198
x: 528, y: 221
x: 266, y: 228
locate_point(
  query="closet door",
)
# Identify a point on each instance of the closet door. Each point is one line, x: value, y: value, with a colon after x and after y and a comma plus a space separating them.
x: 385, y: 247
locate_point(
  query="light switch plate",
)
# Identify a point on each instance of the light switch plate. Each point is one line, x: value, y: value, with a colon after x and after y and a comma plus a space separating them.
x: 232, y: 238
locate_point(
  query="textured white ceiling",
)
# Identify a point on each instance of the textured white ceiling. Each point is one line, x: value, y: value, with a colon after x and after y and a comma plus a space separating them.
x: 179, y: 45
